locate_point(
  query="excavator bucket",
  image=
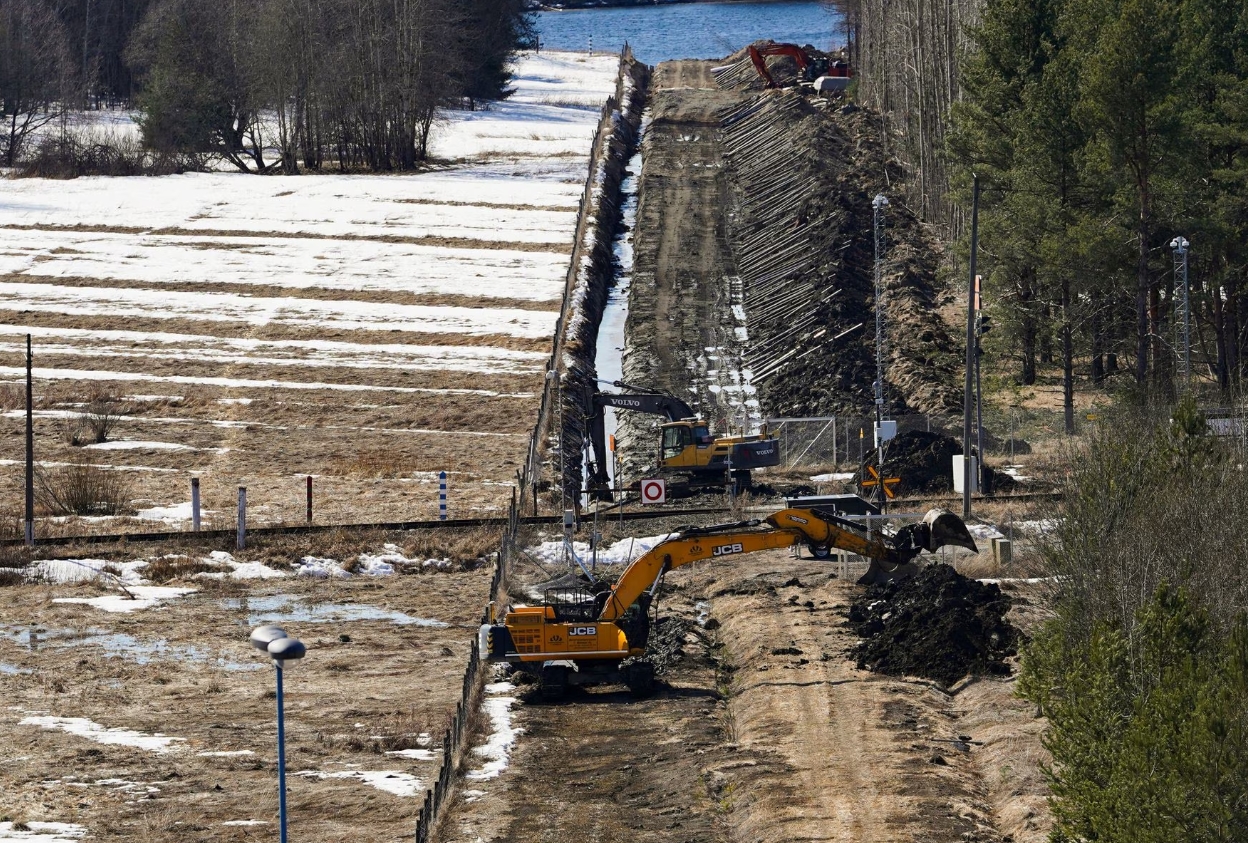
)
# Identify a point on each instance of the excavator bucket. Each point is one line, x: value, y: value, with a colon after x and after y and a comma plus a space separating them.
x: 944, y: 529
x: 939, y: 528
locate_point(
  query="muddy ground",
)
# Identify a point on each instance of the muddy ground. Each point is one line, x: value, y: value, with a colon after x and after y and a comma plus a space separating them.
x: 681, y: 333
x: 185, y: 669
x: 766, y: 730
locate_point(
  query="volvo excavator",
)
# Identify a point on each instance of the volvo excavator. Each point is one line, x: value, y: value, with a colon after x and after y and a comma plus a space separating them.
x: 686, y: 445
x: 588, y: 635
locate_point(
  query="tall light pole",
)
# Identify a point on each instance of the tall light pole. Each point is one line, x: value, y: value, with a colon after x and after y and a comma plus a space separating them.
x: 1183, y: 311
x: 281, y: 648
x: 879, y: 203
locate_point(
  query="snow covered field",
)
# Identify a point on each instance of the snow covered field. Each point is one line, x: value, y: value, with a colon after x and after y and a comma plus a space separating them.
x: 358, y: 328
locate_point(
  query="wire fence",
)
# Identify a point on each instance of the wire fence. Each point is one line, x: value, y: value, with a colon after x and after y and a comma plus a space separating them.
x: 454, y: 741
x: 457, y: 735
x: 844, y: 441
x: 529, y: 476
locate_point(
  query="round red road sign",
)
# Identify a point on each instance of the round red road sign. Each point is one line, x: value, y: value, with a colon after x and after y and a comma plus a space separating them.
x: 653, y: 491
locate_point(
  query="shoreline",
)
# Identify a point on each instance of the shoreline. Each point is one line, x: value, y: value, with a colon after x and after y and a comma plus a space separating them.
x: 590, y: 5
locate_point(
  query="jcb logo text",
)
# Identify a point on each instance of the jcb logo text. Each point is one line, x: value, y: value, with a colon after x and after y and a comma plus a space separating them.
x: 583, y: 630
x: 725, y: 549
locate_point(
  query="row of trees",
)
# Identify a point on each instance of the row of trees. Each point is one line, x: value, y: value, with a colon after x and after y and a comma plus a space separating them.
x: 355, y: 82
x: 1100, y: 130
x: 906, y: 59
x: 1143, y: 670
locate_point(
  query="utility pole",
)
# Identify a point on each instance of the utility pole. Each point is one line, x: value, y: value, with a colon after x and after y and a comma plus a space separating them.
x: 878, y: 205
x: 970, y: 355
x: 553, y: 375
x: 1183, y: 312
x: 979, y: 391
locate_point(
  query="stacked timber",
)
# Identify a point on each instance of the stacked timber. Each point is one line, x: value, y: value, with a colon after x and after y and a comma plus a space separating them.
x: 804, y: 174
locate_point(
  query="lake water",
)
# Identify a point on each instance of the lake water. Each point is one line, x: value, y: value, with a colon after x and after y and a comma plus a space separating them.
x: 692, y: 30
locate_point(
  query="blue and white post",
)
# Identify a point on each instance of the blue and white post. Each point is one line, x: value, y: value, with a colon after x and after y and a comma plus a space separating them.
x: 441, y: 495
x: 281, y: 648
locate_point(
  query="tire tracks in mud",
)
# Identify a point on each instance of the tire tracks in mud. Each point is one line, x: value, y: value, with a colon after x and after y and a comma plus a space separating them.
x: 849, y: 756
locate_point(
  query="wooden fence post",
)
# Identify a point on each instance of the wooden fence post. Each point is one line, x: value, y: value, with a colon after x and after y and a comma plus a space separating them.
x: 241, y: 542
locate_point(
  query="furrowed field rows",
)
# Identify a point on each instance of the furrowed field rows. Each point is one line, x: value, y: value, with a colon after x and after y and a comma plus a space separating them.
x: 368, y: 330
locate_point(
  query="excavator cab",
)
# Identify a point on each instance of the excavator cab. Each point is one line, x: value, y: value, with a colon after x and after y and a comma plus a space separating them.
x: 677, y: 436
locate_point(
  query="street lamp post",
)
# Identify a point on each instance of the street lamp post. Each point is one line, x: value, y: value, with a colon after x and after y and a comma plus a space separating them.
x: 281, y: 648
x: 1183, y: 311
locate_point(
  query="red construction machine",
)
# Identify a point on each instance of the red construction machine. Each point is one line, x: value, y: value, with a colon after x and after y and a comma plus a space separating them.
x: 824, y: 74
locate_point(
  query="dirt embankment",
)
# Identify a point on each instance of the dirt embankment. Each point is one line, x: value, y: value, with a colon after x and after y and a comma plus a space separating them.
x: 682, y: 333
x: 836, y: 753
x: 754, y: 261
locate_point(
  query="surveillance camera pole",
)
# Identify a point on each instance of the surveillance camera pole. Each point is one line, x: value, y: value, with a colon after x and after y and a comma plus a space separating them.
x: 1183, y: 312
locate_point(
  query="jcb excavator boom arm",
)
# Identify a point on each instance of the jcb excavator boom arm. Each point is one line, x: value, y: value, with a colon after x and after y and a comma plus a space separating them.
x: 818, y: 530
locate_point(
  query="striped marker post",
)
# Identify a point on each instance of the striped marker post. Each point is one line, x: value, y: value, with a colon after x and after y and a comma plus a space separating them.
x: 441, y: 495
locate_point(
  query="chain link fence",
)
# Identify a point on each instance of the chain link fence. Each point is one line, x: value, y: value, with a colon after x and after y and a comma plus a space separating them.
x: 842, y: 442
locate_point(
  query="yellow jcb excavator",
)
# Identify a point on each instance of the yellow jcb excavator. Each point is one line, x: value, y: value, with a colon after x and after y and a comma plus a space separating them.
x: 582, y: 636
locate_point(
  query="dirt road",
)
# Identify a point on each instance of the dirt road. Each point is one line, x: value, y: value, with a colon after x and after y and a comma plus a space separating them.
x: 766, y: 732
x: 682, y: 331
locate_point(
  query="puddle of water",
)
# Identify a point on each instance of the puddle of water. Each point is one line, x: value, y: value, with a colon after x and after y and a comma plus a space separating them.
x: 12, y: 669
x: 118, y: 645
x: 283, y: 607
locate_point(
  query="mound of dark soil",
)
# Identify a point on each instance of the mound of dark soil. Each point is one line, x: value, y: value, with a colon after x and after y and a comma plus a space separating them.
x: 667, y: 641
x: 937, y: 624
x: 924, y: 462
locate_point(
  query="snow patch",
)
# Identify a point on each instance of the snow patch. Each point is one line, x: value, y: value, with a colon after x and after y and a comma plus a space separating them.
x: 41, y: 832
x: 238, y: 570
x: 84, y: 728
x: 496, y: 751
x: 391, y: 781
x: 145, y: 596
x: 834, y: 477
x: 620, y: 553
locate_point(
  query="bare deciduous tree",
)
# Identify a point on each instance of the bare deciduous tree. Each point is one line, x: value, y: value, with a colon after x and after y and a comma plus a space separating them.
x: 34, y: 72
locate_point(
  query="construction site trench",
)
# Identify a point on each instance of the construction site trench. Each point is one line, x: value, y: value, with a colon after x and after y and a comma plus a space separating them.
x: 751, y: 288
